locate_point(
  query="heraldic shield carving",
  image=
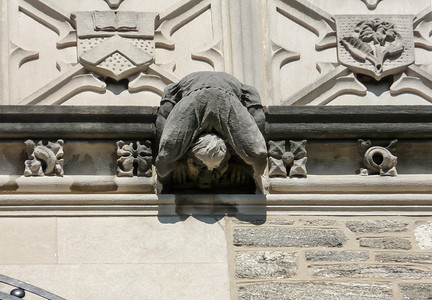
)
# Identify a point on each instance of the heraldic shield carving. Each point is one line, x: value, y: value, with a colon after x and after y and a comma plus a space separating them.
x: 115, y: 44
x: 375, y: 45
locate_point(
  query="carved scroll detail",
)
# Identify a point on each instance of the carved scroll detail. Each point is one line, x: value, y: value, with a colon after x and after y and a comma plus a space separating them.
x: 134, y: 160
x: 377, y: 159
x: 287, y: 159
x: 44, y: 159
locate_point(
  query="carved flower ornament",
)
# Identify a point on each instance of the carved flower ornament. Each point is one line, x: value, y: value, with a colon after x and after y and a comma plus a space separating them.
x: 377, y: 31
x: 376, y: 41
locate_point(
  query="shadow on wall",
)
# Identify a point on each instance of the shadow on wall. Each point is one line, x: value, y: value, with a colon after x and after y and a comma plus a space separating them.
x: 212, y: 208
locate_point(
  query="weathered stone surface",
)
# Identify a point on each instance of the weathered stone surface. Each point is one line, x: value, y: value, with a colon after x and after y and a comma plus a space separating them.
x: 385, y: 243
x: 423, y: 235
x: 266, y: 264
x: 319, y: 222
x: 336, y: 255
x: 258, y: 220
x: 420, y: 258
x: 214, y: 102
x: 308, y: 290
x: 416, y: 291
x: 370, y: 271
x: 377, y: 226
x: 288, y: 237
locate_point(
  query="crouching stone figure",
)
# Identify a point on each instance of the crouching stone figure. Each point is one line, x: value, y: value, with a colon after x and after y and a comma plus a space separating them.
x: 210, y: 127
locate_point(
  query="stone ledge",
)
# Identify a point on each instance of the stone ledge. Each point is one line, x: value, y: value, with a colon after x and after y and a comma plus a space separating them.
x: 353, y: 184
x: 47, y: 203
x: 76, y: 184
x: 353, y: 122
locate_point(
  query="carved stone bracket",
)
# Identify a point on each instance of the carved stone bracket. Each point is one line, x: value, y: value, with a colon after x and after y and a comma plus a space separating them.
x: 44, y: 158
x: 283, y: 158
x: 134, y: 159
x: 377, y: 159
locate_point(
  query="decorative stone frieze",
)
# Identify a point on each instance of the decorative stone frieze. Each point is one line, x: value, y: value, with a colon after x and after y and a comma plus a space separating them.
x: 210, y: 128
x: 44, y: 158
x: 134, y: 160
x: 287, y: 160
x: 377, y: 159
x: 376, y: 46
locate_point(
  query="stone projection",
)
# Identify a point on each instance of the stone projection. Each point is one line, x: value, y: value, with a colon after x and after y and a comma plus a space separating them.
x: 210, y: 130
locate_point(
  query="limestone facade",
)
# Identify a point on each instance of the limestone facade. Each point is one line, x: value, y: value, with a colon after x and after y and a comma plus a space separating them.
x: 342, y: 210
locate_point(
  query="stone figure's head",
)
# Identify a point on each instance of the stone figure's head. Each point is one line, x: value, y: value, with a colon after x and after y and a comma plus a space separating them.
x: 207, y: 160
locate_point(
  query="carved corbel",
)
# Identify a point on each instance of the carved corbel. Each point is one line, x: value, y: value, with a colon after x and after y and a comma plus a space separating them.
x: 377, y: 159
x: 44, y: 158
x: 209, y: 129
x: 134, y: 160
x: 287, y: 159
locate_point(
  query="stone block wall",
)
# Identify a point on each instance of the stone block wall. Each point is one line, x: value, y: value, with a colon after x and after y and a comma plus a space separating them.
x: 331, y: 258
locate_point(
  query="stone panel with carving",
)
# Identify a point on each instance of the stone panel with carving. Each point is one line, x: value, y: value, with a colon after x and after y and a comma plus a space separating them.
x: 377, y: 45
x: 377, y: 159
x: 44, y: 158
x: 140, y: 47
x: 287, y: 158
x: 134, y: 160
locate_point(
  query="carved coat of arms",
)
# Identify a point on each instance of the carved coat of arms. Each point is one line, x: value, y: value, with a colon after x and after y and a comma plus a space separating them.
x: 115, y: 44
x: 375, y: 45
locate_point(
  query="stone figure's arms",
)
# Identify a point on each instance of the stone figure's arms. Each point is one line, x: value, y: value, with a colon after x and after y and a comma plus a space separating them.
x: 252, y: 101
x: 166, y: 105
x: 163, y: 112
x: 259, y: 116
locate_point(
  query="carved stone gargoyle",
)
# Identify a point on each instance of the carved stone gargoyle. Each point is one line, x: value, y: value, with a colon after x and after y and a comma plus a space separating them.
x: 377, y: 159
x: 44, y: 159
x: 210, y: 127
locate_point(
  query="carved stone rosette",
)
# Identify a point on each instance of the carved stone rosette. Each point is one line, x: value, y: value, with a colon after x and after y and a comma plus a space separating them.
x: 44, y: 158
x: 134, y: 160
x: 377, y: 159
x: 376, y: 46
x: 287, y: 159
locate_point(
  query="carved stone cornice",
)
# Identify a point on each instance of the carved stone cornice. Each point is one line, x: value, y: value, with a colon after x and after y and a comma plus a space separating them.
x: 349, y: 122
x: 77, y: 122
x: 283, y: 122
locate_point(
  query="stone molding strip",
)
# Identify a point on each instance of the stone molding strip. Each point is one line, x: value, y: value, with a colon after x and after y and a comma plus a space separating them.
x: 200, y: 205
x: 76, y: 184
x: 317, y: 184
x: 77, y: 122
x: 349, y: 122
x: 283, y: 122
x: 345, y: 184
